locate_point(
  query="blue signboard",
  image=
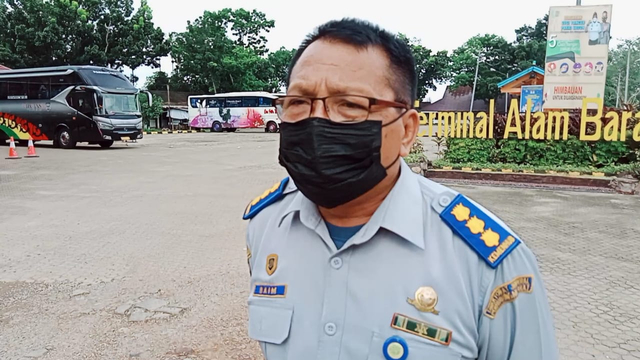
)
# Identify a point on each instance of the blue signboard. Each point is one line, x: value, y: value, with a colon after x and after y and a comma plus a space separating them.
x: 533, y: 92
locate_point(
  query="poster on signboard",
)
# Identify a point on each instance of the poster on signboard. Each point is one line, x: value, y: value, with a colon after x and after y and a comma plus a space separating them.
x: 577, y: 52
x: 533, y: 93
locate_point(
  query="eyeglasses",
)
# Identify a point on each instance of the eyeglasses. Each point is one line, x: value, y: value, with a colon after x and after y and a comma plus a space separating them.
x: 339, y: 108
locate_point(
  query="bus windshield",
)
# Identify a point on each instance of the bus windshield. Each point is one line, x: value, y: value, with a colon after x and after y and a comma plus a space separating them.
x: 106, y: 79
x: 112, y: 104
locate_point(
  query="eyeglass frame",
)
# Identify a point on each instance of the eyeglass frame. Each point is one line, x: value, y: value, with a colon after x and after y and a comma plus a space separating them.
x: 372, y: 101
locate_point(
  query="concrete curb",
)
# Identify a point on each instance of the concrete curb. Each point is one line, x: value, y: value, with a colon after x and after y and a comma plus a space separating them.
x: 172, y: 132
x: 511, y: 171
x: 563, y: 179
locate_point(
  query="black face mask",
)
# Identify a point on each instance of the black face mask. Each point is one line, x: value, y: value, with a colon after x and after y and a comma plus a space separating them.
x: 333, y: 163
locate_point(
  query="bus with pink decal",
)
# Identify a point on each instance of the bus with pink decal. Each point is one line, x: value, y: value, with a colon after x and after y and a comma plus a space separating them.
x: 232, y: 111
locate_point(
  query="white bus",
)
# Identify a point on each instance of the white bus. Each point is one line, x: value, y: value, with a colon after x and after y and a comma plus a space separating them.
x: 231, y: 111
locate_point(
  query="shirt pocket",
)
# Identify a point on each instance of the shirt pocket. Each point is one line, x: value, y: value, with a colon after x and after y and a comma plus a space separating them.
x: 418, y: 350
x: 269, y: 324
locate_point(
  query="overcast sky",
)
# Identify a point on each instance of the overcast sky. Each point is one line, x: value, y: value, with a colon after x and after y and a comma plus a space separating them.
x: 441, y: 25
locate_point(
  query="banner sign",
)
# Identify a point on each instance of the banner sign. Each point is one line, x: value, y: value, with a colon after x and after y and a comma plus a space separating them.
x: 577, y: 52
x: 533, y: 93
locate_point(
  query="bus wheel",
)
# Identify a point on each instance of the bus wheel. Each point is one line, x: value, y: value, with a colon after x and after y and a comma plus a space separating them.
x: 65, y: 140
x: 272, y: 127
x: 216, y: 126
x: 106, y: 144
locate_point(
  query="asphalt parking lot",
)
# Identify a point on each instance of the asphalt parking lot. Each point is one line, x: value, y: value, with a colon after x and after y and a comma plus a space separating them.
x: 138, y: 251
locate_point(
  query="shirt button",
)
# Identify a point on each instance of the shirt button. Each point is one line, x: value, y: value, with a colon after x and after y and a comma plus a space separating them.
x: 336, y: 263
x: 330, y: 329
x: 444, y: 201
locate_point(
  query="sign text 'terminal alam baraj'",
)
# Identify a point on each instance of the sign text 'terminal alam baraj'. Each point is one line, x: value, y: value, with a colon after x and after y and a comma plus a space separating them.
x: 466, y: 125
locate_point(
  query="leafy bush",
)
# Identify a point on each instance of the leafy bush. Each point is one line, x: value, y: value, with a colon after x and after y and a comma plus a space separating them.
x: 611, y: 152
x: 416, y: 154
x: 150, y: 112
x: 469, y: 150
x: 571, y: 152
x: 544, y: 153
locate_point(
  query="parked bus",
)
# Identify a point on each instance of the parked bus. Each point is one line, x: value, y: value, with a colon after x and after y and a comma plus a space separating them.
x: 232, y: 111
x: 69, y: 104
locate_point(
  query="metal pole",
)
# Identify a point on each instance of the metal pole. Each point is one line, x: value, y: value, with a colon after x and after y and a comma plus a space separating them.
x: 475, y: 80
x: 626, y: 81
x: 169, y: 106
x: 506, y: 100
x: 618, y: 90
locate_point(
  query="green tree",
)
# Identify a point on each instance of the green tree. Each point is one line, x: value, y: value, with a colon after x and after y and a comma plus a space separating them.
x: 152, y: 111
x: 31, y: 31
x: 278, y: 67
x: 7, y: 56
x: 431, y: 67
x: 496, y: 63
x: 222, y: 51
x: 531, y: 44
x: 157, y: 81
x: 248, y: 28
x: 99, y: 32
x: 140, y: 42
x: 617, y: 72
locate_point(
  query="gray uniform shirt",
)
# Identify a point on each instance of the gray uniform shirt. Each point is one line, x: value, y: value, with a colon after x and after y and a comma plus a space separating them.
x: 309, y: 300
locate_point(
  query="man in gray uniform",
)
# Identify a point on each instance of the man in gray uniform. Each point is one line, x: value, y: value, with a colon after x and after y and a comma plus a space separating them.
x: 356, y: 257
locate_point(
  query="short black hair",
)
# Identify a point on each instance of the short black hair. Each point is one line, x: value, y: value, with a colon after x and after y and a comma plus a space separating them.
x: 363, y: 34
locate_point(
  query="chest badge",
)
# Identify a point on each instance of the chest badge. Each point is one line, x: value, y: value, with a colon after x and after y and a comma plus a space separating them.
x: 395, y: 348
x: 272, y: 263
x: 425, y: 300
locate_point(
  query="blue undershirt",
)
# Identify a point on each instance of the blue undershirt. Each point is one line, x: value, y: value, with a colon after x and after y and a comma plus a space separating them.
x: 341, y: 234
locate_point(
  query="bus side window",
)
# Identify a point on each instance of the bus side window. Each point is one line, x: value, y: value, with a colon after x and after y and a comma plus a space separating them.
x: 215, y: 102
x: 81, y: 101
x: 265, y: 102
x: 194, y: 102
x: 3, y: 89
x: 38, y: 88
x: 233, y: 102
x: 60, y: 83
x: 17, y: 90
x: 249, y: 102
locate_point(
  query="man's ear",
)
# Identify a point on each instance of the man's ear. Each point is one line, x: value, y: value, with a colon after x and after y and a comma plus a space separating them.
x: 411, y: 123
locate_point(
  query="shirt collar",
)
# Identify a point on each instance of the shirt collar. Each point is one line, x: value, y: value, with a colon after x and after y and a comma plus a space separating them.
x: 401, y: 212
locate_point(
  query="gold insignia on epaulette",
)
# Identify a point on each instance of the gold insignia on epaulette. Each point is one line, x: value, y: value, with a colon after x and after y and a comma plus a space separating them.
x: 262, y: 196
x: 486, y: 236
x: 506, y: 293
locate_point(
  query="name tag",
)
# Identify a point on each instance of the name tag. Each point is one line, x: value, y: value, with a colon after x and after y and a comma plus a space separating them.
x: 270, y: 290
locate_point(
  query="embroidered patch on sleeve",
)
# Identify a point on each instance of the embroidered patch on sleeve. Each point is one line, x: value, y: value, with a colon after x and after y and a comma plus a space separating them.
x: 506, y: 293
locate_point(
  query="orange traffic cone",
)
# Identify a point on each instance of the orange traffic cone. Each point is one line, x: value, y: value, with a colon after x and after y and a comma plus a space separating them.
x: 13, y: 154
x: 31, y: 150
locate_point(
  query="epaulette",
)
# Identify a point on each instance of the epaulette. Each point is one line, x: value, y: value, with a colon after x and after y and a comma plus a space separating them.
x: 267, y: 198
x: 488, y: 238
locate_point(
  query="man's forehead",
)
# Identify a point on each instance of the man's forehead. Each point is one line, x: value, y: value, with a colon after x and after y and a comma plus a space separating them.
x: 340, y: 68
x: 311, y: 87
